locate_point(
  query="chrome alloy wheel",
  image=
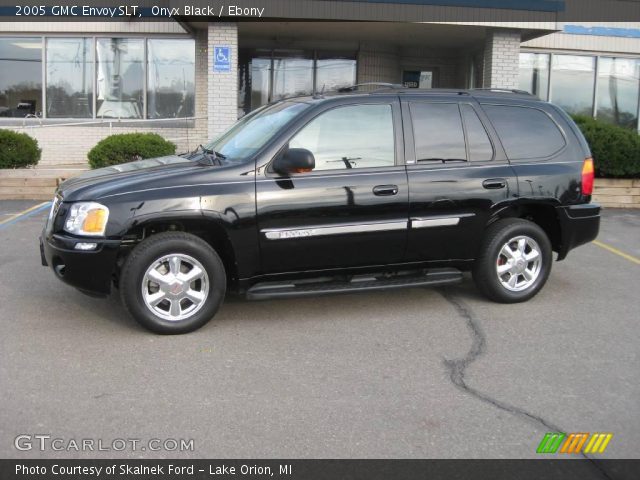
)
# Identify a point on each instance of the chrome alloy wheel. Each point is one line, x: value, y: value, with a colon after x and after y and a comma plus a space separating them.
x: 518, y: 264
x: 175, y: 287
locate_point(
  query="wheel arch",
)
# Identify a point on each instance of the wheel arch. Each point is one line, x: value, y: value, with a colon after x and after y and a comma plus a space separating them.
x: 207, y: 228
x: 543, y: 214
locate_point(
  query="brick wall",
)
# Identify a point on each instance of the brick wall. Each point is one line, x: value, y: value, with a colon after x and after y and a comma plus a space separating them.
x: 381, y: 63
x: 69, y: 145
x: 501, y: 59
x: 223, y: 86
x: 378, y: 63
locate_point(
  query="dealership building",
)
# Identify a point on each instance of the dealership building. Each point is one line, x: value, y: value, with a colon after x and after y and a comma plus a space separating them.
x: 71, y: 83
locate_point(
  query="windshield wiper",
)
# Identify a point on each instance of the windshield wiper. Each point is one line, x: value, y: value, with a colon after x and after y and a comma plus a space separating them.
x: 206, y: 156
x: 208, y: 151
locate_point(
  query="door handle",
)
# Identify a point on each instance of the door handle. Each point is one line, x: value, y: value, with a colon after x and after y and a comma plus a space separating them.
x: 385, y: 190
x: 494, y: 183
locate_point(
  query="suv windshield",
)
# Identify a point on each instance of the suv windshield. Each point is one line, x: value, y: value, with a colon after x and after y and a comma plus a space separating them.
x: 252, y: 132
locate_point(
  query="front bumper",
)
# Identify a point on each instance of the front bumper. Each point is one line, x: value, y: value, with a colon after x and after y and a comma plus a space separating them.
x: 579, y: 224
x: 89, y: 271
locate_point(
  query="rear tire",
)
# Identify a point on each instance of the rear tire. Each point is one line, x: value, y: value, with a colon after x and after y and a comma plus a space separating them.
x: 172, y: 283
x: 514, y: 262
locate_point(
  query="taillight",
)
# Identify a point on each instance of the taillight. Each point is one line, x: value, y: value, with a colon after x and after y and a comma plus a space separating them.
x: 588, y: 175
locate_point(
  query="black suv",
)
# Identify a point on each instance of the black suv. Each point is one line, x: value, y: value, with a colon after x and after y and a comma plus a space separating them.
x: 334, y: 193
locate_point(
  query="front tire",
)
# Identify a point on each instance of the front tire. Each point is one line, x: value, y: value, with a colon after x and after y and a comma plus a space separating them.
x: 514, y: 262
x: 172, y: 283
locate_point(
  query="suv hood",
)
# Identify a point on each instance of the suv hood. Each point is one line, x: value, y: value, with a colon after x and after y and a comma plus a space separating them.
x: 142, y: 174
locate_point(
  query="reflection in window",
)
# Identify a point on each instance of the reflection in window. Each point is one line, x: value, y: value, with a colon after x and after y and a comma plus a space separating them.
x: 69, y: 77
x: 541, y: 138
x: 252, y: 132
x: 572, y: 83
x: 478, y: 143
x: 437, y: 132
x: 20, y: 76
x: 334, y: 73
x: 171, y: 78
x: 358, y: 136
x: 120, y: 77
x: 292, y: 77
x: 618, y: 83
x: 254, y: 80
x: 260, y: 81
x: 534, y: 74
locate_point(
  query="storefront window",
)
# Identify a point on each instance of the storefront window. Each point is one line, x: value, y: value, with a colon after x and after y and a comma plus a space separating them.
x: 333, y: 73
x: 69, y: 77
x: 108, y: 74
x: 260, y: 81
x: 20, y: 77
x: 120, y: 77
x: 534, y: 74
x: 268, y: 75
x: 573, y: 82
x: 618, y: 84
x: 171, y: 79
x: 292, y: 77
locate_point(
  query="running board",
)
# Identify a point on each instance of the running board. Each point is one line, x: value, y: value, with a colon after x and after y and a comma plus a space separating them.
x: 356, y: 283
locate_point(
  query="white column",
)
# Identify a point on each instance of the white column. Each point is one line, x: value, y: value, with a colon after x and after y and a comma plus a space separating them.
x: 502, y: 59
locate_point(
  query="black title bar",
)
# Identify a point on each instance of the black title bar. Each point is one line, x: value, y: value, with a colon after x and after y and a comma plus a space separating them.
x: 115, y: 469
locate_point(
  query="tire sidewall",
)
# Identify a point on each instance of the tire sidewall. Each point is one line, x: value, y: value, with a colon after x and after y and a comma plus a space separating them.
x: 137, y: 265
x: 509, y: 231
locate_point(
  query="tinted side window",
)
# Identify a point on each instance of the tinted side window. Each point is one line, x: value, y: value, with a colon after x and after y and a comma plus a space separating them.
x: 525, y: 132
x: 355, y: 136
x: 437, y: 131
x: 480, y: 148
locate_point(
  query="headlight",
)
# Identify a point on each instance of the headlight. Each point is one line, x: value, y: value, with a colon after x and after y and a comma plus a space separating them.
x: 87, y: 218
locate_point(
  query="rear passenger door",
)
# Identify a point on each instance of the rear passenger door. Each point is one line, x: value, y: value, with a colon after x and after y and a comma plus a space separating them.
x: 535, y: 138
x: 458, y: 175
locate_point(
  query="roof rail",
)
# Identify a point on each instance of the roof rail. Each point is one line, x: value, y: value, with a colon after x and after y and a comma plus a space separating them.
x: 352, y: 88
x: 506, y: 90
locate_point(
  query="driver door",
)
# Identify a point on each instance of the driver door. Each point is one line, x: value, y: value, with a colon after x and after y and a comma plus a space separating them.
x: 352, y: 209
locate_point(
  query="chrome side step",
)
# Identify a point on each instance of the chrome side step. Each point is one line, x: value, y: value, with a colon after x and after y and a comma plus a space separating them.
x: 357, y: 283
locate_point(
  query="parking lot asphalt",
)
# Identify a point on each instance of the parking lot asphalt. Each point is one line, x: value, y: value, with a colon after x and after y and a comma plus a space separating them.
x: 417, y: 373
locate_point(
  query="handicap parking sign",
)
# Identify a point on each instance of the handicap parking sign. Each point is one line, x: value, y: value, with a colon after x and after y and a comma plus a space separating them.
x: 221, y: 59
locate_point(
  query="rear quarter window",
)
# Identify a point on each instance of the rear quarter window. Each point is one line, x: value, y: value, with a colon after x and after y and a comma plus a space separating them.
x: 525, y: 132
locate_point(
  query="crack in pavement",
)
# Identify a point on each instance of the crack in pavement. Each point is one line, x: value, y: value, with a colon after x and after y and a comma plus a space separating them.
x: 457, y: 369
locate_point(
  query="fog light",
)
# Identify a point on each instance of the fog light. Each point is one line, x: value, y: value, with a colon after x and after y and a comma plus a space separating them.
x: 86, y: 246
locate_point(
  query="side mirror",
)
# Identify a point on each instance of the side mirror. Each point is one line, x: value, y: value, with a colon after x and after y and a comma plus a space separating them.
x: 294, y: 160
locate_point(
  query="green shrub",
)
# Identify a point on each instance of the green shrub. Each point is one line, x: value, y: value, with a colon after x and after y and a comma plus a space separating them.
x: 18, y: 150
x: 616, y: 150
x: 128, y: 147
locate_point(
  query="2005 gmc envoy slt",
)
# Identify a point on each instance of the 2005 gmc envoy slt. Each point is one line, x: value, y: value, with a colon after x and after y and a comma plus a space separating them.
x: 342, y: 192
